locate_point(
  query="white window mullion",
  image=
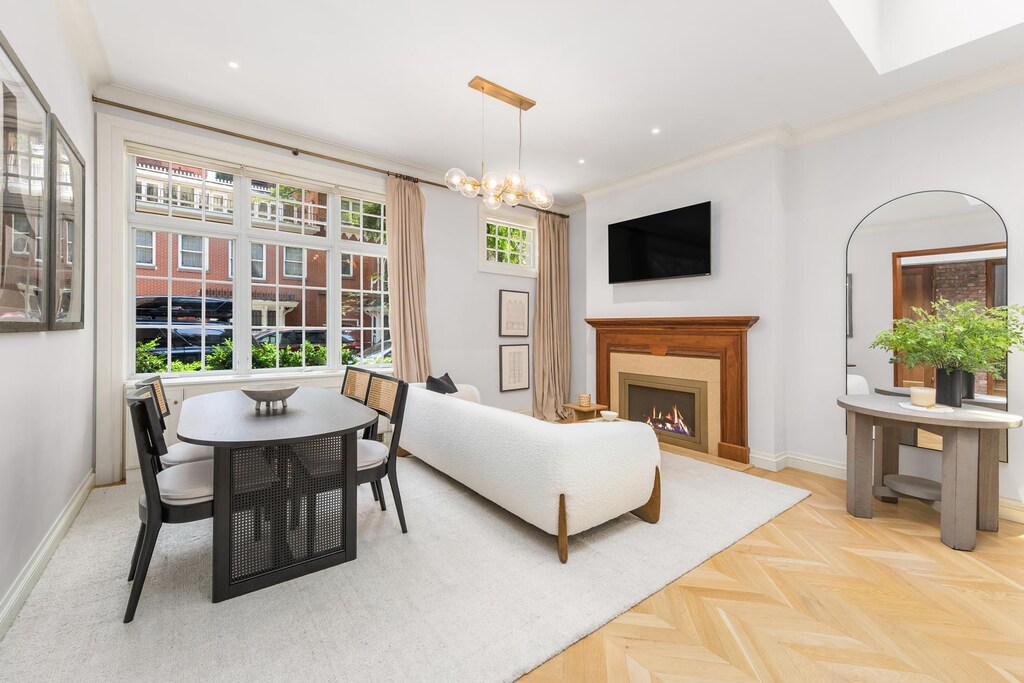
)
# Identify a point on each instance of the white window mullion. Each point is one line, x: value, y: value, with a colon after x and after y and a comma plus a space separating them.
x: 242, y: 307
x: 333, y: 281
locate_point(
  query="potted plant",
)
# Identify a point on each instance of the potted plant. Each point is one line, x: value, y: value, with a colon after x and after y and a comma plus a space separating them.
x: 959, y: 339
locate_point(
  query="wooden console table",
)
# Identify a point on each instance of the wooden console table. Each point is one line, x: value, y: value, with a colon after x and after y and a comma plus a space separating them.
x: 969, y: 491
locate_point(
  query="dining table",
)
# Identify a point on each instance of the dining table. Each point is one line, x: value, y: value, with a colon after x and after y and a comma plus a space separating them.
x: 265, y: 531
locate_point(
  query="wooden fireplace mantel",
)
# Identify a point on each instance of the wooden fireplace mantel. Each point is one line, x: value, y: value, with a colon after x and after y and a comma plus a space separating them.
x: 724, y: 338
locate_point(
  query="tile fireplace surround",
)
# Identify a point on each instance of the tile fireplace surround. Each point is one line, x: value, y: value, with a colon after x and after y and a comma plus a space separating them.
x: 662, y: 346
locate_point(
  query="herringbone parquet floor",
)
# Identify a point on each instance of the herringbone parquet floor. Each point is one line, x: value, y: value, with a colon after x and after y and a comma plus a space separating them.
x: 818, y: 595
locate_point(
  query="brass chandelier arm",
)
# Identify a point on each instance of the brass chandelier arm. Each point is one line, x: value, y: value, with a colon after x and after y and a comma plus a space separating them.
x: 278, y: 145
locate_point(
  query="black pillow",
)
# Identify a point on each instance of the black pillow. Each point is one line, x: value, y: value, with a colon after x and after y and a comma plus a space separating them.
x: 442, y: 384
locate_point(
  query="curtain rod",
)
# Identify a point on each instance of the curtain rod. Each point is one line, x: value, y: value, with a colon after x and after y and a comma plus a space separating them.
x: 270, y: 143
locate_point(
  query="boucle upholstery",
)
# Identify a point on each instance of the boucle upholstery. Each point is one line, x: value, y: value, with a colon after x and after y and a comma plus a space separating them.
x: 523, y: 464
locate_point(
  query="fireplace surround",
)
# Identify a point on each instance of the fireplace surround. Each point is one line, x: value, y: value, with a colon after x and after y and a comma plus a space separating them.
x: 718, y: 338
x: 675, y: 407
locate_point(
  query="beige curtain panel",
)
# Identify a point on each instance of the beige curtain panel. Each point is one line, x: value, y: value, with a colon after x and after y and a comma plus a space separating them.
x: 551, y: 320
x: 407, y: 280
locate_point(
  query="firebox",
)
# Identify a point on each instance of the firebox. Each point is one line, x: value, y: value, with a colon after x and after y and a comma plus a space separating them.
x: 675, y: 408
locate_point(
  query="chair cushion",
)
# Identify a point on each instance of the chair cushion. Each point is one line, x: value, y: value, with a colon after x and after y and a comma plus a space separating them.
x: 370, y: 453
x: 181, y: 453
x: 186, y: 482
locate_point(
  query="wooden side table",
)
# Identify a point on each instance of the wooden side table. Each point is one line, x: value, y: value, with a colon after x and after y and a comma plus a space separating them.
x: 581, y: 413
x: 969, y: 491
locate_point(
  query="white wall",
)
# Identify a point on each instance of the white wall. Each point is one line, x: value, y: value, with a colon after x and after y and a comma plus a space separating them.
x: 781, y: 220
x: 46, y: 422
x: 746, y: 204
x: 973, y: 146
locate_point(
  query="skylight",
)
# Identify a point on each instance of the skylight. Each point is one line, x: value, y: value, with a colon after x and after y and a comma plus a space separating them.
x: 896, y: 33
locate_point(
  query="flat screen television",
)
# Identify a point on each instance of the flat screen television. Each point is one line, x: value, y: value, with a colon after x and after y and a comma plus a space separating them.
x: 674, y: 243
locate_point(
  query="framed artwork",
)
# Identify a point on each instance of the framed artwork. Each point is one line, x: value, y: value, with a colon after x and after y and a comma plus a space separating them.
x: 25, y: 229
x: 514, y: 366
x: 513, y: 313
x: 67, y: 234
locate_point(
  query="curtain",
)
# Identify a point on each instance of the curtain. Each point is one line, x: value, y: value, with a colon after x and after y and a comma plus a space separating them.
x: 551, y: 321
x: 407, y: 280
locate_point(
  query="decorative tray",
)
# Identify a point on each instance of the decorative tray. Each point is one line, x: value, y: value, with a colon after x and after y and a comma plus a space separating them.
x: 937, y: 408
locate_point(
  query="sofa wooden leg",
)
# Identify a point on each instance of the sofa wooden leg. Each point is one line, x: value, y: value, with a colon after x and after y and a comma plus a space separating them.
x: 563, y: 527
x: 651, y: 510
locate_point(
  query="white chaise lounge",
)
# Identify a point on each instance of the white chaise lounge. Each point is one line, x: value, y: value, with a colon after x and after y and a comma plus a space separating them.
x: 563, y: 479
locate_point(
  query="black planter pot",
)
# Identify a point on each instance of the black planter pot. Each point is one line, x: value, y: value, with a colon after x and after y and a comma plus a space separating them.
x: 968, y: 384
x: 949, y: 387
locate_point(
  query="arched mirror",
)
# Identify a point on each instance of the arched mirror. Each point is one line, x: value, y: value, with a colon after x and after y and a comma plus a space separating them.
x: 910, y: 252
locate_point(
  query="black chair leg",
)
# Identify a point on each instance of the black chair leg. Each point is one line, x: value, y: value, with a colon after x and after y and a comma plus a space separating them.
x: 145, y: 555
x: 373, y: 487
x: 135, y: 554
x: 380, y: 489
x: 398, y: 499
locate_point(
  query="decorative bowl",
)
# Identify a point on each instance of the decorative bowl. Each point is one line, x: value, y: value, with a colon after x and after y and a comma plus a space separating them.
x: 609, y: 415
x: 270, y: 394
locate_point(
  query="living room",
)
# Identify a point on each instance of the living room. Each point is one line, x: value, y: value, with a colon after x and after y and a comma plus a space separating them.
x: 728, y: 212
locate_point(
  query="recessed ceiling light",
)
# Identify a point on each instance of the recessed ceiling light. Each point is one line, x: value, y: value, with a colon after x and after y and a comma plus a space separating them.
x: 655, y: 131
x: 233, y: 65
x: 583, y: 161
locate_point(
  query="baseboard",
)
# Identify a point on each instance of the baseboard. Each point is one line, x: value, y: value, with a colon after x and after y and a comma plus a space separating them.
x: 1009, y: 509
x: 30, y: 573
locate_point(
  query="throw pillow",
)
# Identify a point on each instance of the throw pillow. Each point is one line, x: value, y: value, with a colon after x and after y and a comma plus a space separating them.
x: 442, y: 384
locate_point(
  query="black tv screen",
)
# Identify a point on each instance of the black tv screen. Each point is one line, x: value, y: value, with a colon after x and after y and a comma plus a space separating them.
x: 674, y: 243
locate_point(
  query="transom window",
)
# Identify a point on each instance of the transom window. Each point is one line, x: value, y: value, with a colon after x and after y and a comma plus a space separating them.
x: 507, y: 247
x: 316, y: 285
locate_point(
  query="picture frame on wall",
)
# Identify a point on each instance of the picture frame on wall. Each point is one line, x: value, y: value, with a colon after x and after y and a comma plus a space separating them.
x: 67, y: 232
x: 513, y: 313
x: 25, y: 228
x: 514, y: 366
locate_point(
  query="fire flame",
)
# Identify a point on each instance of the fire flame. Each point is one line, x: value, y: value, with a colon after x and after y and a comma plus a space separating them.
x: 669, y: 422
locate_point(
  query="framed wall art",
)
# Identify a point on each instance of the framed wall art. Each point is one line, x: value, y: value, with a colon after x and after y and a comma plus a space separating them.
x: 514, y: 366
x: 67, y: 235
x: 24, y: 237
x: 513, y: 313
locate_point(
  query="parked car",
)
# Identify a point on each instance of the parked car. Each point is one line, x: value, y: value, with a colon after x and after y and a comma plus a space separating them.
x: 186, y: 340
x: 182, y: 309
x: 292, y: 339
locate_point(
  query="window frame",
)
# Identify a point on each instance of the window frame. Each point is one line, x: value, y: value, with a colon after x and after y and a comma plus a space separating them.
x: 203, y: 252
x: 241, y: 235
x: 151, y: 247
x: 509, y: 218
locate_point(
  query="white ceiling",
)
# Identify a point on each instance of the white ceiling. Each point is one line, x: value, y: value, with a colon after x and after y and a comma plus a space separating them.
x: 390, y: 77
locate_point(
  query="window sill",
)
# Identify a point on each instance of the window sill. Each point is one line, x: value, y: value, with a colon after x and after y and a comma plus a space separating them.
x: 257, y: 378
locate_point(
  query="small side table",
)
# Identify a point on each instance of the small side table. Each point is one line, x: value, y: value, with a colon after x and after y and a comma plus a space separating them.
x: 581, y: 413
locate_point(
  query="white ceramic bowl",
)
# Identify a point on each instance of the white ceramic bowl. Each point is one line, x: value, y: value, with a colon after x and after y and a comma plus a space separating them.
x: 609, y: 415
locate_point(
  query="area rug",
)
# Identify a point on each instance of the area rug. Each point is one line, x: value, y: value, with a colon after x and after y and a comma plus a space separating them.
x: 470, y: 593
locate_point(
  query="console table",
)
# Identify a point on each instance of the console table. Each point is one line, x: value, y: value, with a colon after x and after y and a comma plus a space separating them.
x: 968, y: 496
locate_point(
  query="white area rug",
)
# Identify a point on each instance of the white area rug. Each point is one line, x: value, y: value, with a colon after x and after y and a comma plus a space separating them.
x: 471, y: 593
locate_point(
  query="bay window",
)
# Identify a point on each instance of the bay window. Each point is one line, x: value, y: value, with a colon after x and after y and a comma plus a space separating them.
x: 315, y: 287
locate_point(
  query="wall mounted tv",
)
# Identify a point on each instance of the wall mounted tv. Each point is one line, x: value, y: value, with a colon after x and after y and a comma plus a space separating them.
x: 674, y: 243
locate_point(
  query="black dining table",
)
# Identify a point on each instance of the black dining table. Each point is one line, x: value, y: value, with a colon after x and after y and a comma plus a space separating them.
x: 264, y: 529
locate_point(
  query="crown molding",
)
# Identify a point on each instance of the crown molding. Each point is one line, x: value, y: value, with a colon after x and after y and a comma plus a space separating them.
x: 210, y: 117
x: 79, y: 28
x: 778, y: 135
x: 786, y: 137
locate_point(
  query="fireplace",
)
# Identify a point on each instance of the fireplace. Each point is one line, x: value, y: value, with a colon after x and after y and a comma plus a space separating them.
x: 676, y: 408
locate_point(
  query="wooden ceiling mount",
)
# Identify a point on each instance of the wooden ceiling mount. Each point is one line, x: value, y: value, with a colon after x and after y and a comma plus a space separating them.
x: 501, y: 93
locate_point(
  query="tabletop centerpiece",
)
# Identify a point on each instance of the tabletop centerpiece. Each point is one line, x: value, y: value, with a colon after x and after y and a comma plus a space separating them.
x: 270, y: 395
x: 959, y: 339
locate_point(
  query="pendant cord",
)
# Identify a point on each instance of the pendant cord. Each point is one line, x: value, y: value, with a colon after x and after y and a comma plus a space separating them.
x: 520, y: 167
x: 481, y: 136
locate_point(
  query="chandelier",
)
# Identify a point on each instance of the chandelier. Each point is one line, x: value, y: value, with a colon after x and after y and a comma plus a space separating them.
x: 498, y: 189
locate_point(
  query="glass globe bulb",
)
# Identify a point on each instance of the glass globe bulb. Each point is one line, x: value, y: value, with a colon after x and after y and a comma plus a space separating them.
x: 535, y: 194
x: 510, y: 198
x: 454, y: 178
x: 470, y: 187
x: 492, y: 201
x: 492, y: 183
x: 547, y: 201
x: 515, y: 180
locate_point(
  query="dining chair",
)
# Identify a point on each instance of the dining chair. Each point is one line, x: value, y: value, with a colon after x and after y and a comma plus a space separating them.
x: 179, y: 494
x: 374, y: 460
x: 177, y: 453
x: 357, y: 383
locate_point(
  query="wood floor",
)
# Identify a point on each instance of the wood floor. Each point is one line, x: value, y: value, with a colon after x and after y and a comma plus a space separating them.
x: 818, y: 595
